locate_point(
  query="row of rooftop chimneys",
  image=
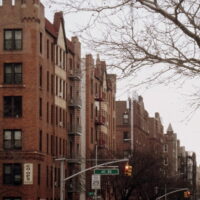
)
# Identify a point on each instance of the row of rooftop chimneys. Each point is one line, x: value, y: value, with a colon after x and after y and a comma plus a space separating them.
x: 18, y: 2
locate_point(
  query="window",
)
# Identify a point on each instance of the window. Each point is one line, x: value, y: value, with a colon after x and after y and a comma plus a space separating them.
x: 92, y: 112
x: 125, y: 118
x: 47, y: 112
x: 12, y: 73
x: 165, y: 161
x: 126, y: 136
x: 47, y: 81
x: 60, y: 56
x: 52, y: 114
x: 40, y: 77
x: 64, y: 61
x: 12, y: 139
x: 12, y: 39
x: 41, y: 40
x: 40, y: 107
x: 56, y: 85
x: 40, y: 141
x: 56, y: 115
x: 47, y: 144
x: 39, y: 174
x: 47, y: 176
x: 12, y: 106
x: 11, y: 198
x: 12, y: 174
x: 52, y: 84
x: 165, y: 148
x: 47, y: 48
x: 51, y: 176
x: 56, y: 55
x: 52, y: 145
x: 60, y: 146
x: 126, y: 153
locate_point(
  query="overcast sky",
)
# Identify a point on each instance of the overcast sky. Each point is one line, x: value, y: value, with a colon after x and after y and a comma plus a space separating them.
x: 171, y: 101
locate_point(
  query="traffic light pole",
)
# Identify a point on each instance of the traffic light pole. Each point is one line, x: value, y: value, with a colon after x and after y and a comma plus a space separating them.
x: 62, y: 179
x: 174, y: 191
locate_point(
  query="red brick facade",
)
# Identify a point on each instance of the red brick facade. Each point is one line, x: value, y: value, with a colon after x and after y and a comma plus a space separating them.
x: 100, y: 113
x: 136, y: 131
x: 40, y: 101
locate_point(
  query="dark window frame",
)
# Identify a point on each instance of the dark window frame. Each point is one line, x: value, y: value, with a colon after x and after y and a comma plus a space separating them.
x: 41, y: 42
x: 40, y: 76
x: 40, y: 108
x: 40, y: 140
x: 13, y: 141
x: 13, y: 41
x: 13, y: 106
x: 12, y: 77
x: 39, y: 174
x: 15, y: 170
x: 126, y: 135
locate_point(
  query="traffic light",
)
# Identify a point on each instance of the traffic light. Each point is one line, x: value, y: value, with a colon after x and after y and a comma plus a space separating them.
x: 186, y: 194
x: 128, y: 170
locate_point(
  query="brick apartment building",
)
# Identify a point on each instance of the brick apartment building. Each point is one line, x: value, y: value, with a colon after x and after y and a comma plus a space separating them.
x: 135, y: 129
x: 156, y: 135
x: 40, y: 103
x: 100, y: 116
x: 41, y: 100
x: 171, y: 152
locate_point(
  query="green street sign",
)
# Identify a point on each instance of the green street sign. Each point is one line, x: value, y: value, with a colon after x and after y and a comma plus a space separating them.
x: 106, y: 171
x: 90, y: 194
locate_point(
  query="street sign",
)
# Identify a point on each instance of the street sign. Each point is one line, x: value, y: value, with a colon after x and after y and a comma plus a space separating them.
x: 90, y: 194
x: 96, y: 182
x: 106, y: 171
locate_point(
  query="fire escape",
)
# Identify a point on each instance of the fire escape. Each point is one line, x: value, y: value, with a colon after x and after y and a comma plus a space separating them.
x: 74, y: 129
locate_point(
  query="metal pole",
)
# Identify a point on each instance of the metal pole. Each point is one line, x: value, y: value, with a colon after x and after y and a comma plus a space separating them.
x: 62, y: 173
x: 174, y: 191
x: 96, y: 164
x: 132, y: 125
x: 90, y: 168
x: 62, y: 182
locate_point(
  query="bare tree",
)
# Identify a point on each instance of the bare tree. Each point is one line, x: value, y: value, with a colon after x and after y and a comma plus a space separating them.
x: 147, y: 181
x: 136, y: 34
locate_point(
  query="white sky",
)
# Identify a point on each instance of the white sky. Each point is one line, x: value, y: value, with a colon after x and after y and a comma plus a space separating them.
x: 170, y: 101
